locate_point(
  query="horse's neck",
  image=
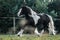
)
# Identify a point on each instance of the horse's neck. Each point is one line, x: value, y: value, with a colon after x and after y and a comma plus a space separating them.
x: 27, y: 17
x: 35, y: 16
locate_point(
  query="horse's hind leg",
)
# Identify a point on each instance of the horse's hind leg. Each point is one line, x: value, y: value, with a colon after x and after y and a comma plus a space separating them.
x: 36, y: 32
x: 20, y: 32
x: 39, y: 33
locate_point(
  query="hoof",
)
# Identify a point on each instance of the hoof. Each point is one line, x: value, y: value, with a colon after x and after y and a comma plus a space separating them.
x: 18, y: 35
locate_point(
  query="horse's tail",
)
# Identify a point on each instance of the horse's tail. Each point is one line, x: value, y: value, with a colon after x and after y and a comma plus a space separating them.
x: 51, y: 26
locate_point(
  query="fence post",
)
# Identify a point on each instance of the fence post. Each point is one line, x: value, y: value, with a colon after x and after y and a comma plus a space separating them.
x: 14, y: 24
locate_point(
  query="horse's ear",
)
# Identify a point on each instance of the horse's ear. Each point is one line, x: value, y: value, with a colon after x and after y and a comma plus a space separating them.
x: 23, y: 5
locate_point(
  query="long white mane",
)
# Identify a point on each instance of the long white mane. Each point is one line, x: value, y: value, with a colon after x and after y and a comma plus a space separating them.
x: 34, y: 15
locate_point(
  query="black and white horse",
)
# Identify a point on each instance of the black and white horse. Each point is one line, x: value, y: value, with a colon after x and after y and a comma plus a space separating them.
x: 39, y: 22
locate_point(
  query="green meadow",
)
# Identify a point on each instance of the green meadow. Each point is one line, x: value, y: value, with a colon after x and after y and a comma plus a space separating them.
x: 30, y: 37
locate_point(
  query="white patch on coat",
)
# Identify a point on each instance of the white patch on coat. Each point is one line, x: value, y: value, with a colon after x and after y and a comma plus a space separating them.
x: 35, y: 16
x: 19, y: 12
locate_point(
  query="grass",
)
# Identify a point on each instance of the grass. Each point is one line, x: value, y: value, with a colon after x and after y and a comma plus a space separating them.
x: 26, y: 37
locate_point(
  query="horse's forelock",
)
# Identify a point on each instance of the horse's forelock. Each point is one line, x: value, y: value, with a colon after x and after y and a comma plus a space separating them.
x: 19, y: 12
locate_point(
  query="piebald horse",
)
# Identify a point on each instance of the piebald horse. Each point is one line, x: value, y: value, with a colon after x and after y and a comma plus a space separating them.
x: 40, y: 22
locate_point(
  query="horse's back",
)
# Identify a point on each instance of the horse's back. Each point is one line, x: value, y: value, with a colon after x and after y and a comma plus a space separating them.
x: 44, y: 18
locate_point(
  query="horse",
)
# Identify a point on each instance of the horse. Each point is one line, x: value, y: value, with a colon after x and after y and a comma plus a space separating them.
x: 40, y: 22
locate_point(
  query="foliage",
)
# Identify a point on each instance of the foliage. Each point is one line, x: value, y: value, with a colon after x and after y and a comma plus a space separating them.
x: 41, y: 6
x: 5, y: 23
x: 9, y: 8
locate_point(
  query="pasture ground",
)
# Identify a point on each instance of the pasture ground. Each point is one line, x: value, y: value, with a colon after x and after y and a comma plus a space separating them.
x: 30, y: 37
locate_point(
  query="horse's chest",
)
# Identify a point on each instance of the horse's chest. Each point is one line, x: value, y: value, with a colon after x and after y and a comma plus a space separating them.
x: 31, y: 21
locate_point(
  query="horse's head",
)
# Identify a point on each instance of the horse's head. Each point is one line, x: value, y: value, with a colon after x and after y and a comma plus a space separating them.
x: 25, y: 10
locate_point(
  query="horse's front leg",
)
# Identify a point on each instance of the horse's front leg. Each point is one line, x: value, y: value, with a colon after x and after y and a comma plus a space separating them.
x: 20, y: 32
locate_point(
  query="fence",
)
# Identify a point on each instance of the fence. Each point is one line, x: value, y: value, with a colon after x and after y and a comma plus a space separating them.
x: 13, y: 22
